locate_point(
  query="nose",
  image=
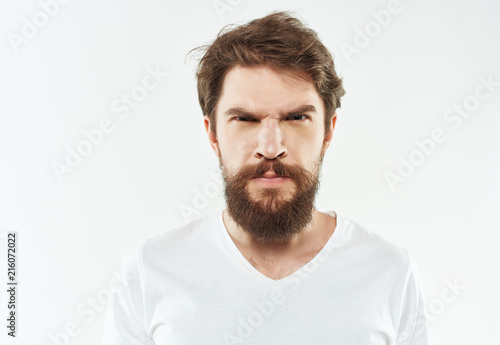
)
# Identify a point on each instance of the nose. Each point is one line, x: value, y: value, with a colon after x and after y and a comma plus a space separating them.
x: 270, y: 141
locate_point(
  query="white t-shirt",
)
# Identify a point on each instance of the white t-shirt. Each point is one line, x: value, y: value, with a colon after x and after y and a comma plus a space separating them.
x: 192, y: 285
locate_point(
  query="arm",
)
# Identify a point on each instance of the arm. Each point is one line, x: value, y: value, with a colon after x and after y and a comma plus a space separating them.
x: 413, y: 328
x: 125, y: 323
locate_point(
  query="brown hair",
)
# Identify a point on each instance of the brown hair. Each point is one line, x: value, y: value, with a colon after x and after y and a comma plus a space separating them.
x: 278, y: 41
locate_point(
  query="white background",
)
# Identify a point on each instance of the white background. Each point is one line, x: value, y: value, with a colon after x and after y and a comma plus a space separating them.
x: 156, y: 163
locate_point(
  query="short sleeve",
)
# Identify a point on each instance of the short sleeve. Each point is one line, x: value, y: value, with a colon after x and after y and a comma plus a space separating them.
x: 124, y: 321
x: 413, y: 327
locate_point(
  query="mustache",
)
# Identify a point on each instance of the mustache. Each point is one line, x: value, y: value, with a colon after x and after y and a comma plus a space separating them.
x: 276, y: 165
x: 296, y: 172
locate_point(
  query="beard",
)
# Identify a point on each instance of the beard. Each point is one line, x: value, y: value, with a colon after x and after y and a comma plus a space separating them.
x: 271, y: 216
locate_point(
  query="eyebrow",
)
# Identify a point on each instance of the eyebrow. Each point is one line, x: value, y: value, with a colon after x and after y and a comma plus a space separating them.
x: 297, y: 111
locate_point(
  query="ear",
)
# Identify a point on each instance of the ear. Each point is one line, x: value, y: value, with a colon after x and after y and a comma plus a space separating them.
x: 212, y: 138
x: 329, y: 136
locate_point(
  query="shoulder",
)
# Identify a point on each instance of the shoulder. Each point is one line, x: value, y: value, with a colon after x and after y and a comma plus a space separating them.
x: 370, y: 247
x: 179, y: 236
x: 171, y: 245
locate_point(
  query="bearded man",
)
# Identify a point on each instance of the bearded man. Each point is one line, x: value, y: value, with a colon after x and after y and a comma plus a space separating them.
x: 269, y: 268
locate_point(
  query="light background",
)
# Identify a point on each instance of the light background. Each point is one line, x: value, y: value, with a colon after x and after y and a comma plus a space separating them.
x: 156, y: 163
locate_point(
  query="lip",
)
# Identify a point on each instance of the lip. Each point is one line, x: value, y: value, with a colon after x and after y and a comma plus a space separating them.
x: 269, y: 174
x: 271, y: 181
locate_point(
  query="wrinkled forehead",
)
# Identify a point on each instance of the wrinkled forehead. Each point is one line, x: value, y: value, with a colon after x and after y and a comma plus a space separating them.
x: 294, y: 77
x: 263, y: 88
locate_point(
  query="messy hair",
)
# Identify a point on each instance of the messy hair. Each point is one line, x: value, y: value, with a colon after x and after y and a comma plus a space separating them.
x: 279, y: 41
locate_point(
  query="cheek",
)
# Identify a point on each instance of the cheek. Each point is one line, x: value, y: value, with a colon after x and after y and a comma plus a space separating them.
x: 236, y: 149
x: 240, y: 144
x: 306, y: 150
x: 246, y: 145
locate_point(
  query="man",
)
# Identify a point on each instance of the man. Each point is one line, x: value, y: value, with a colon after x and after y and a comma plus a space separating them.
x: 269, y: 268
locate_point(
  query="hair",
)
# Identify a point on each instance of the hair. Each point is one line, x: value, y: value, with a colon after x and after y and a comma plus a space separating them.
x: 278, y: 41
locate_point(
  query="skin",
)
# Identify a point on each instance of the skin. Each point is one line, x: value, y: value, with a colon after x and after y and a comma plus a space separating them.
x: 298, y: 139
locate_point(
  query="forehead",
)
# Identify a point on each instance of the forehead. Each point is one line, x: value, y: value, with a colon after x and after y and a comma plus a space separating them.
x: 262, y: 89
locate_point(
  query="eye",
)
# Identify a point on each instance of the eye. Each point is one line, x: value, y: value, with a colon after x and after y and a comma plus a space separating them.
x: 298, y: 117
x: 243, y: 119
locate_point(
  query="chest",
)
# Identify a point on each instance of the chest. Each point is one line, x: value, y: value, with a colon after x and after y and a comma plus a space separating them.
x: 252, y: 314
x: 279, y: 267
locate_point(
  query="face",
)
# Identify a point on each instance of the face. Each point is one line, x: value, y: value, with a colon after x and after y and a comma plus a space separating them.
x: 270, y: 142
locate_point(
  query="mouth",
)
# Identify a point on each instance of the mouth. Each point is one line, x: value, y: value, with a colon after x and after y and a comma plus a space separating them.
x: 273, y: 178
x: 269, y: 175
x: 270, y: 179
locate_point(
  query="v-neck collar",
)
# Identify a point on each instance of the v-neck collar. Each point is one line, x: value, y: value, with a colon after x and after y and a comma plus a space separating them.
x: 327, y: 249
